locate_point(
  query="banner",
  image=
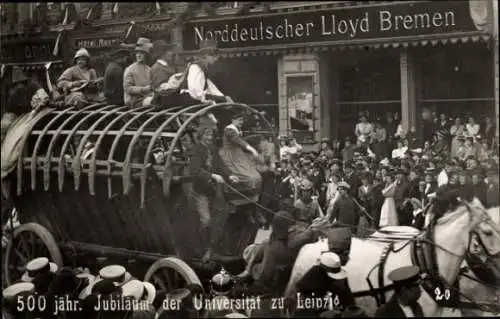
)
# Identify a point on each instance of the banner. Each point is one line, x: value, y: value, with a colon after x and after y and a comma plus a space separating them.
x: 344, y: 25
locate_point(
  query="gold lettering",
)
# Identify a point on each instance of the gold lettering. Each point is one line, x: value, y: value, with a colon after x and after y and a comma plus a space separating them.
x: 385, y: 20
x: 279, y: 35
x: 244, y: 35
x: 299, y: 30
x: 437, y: 19
x: 408, y: 22
x: 449, y: 18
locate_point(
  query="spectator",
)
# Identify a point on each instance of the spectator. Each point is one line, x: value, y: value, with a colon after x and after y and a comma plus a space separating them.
x: 428, y: 125
x: 348, y: 151
x: 363, y: 129
x: 471, y: 127
x: 400, y: 150
x: 444, y: 124
x: 161, y: 72
x: 113, y: 77
x: 488, y: 131
x: 456, y: 131
x: 378, y: 139
x: 390, y: 126
x: 388, y: 214
x: 137, y: 77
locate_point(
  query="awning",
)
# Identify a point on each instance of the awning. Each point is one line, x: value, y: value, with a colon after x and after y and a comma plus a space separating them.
x: 36, y: 66
x: 473, y: 37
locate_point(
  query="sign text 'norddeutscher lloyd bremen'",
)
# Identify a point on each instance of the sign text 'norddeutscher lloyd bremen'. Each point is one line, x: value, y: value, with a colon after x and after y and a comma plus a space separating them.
x: 347, y: 24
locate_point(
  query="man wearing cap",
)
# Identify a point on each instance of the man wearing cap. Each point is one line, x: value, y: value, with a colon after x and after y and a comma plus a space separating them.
x: 113, y: 77
x: 401, y: 195
x: 161, y: 71
x: 347, y: 152
x: 137, y: 77
x: 328, y: 277
x: 492, y: 194
x: 404, y: 302
x: 198, y: 87
x: 307, y: 208
x: 75, y: 80
x: 209, y: 175
x: 20, y: 100
x: 345, y: 210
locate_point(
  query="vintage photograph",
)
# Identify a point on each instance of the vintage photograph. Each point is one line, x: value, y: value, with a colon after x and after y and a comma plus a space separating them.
x: 284, y: 159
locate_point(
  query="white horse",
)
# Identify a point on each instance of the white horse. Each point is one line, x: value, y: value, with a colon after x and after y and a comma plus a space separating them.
x: 452, y: 233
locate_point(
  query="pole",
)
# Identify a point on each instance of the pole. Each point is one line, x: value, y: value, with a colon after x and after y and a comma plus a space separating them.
x: 495, y: 61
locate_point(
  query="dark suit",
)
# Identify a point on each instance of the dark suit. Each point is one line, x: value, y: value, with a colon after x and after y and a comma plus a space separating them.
x: 405, y: 213
x: 392, y: 310
x: 113, y: 83
x: 317, y: 282
x: 160, y: 73
x: 347, y: 212
x: 355, y: 183
x: 205, y: 162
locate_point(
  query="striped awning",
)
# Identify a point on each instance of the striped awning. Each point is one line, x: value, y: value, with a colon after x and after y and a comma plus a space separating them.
x: 36, y: 66
x: 474, y: 37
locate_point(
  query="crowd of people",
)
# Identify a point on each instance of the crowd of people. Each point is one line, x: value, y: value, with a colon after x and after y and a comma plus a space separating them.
x: 385, y: 176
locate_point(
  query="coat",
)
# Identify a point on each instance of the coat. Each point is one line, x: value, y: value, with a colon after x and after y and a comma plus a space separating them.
x: 316, y: 281
x: 391, y: 310
x: 346, y: 212
x: 160, y: 73
x: 135, y: 77
x: 205, y: 162
x: 113, y: 83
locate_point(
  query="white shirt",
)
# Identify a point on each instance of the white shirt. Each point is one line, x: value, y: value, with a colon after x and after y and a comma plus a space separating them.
x: 196, y: 80
x: 284, y: 151
x: 399, y: 152
x: 442, y: 178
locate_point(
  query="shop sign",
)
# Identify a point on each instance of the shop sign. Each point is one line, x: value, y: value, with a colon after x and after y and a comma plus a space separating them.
x: 31, y: 50
x: 344, y: 25
x: 97, y: 43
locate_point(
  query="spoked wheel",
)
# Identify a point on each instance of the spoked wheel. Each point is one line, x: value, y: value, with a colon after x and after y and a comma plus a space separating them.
x: 29, y: 241
x: 171, y: 273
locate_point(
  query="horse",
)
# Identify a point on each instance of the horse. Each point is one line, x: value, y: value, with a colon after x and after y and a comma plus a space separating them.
x: 449, y: 241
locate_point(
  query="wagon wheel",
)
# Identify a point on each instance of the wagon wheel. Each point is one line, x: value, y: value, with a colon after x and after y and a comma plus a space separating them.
x: 171, y: 273
x: 30, y: 241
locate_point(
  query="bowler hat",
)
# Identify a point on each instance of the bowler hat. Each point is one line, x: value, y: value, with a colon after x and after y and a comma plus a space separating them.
x: 330, y: 261
x: 18, y: 75
x: 143, y: 45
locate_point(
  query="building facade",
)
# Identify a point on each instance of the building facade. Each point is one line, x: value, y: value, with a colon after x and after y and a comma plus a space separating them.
x: 312, y: 66
x: 332, y: 60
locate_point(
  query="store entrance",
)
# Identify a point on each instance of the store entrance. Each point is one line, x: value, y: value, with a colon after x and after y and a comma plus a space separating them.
x: 369, y: 82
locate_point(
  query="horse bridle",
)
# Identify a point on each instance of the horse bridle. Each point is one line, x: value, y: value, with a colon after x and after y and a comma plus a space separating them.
x: 434, y: 271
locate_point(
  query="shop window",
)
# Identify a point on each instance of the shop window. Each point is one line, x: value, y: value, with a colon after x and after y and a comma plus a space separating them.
x: 370, y: 83
x: 457, y: 80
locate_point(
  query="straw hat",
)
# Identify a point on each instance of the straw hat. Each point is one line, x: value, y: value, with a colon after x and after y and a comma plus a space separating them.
x: 37, y: 266
x: 118, y: 274
x: 331, y: 263
x: 139, y: 290
x: 82, y: 53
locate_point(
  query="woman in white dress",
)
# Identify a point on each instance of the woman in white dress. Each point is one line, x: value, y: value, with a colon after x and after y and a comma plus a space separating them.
x: 388, y: 214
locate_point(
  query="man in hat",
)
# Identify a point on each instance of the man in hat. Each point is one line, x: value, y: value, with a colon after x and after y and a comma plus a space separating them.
x: 198, y: 87
x: 137, y: 77
x: 161, y: 72
x: 307, y: 208
x: 404, y: 302
x: 209, y: 175
x: 347, y: 152
x: 492, y: 194
x: 328, y: 278
x: 345, y: 210
x: 352, y: 179
x: 20, y: 99
x: 478, y: 185
x: 442, y: 146
x: 79, y: 82
x: 113, y: 77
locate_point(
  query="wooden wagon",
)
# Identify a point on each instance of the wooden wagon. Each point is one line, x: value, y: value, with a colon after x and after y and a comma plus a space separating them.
x: 118, y: 203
